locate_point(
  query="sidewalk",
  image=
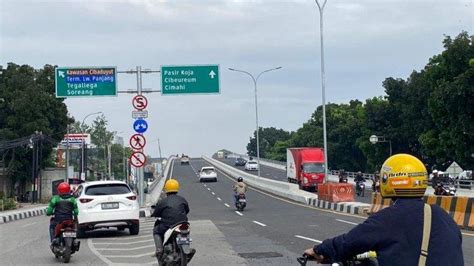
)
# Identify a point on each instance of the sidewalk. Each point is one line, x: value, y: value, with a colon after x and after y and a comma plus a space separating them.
x: 25, y: 211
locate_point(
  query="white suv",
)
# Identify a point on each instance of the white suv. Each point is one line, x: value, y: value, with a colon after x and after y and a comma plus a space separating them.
x: 104, y: 204
x: 207, y: 173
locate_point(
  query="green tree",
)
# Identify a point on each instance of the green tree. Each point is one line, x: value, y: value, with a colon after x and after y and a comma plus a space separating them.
x: 267, y: 137
x: 28, y: 104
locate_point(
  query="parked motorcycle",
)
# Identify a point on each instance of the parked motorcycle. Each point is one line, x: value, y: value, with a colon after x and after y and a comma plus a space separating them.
x: 360, y: 188
x: 65, y: 243
x: 241, y: 202
x: 365, y: 259
x: 176, y: 246
x: 343, y: 178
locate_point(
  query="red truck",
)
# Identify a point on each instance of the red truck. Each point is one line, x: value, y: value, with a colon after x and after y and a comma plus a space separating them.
x: 305, y: 167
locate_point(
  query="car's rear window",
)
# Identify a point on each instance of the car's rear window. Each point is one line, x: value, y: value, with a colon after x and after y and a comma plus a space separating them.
x: 107, y: 189
x: 208, y: 171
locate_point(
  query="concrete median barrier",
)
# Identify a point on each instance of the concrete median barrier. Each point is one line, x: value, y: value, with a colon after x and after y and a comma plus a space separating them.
x: 460, y: 208
x: 156, y: 188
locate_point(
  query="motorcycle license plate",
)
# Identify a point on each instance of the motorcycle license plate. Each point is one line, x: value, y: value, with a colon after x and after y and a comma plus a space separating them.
x: 180, y: 240
x: 110, y: 205
x: 69, y: 234
x: 242, y: 200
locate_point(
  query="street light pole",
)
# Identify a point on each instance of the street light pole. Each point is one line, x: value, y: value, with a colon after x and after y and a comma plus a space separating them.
x: 323, y: 86
x: 83, y: 144
x: 255, y: 80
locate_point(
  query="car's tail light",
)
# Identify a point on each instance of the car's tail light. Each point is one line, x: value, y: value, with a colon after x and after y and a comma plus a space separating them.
x: 132, y: 197
x: 85, y: 200
x: 184, y: 227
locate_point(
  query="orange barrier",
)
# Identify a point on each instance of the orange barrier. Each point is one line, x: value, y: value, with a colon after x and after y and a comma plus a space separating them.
x: 336, y: 192
x: 461, y: 209
x: 378, y: 203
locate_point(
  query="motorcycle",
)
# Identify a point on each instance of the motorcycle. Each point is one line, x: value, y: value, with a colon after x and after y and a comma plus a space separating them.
x: 241, y: 202
x: 65, y: 243
x: 365, y: 259
x: 445, y: 189
x: 360, y: 188
x: 176, y: 246
x: 342, y: 178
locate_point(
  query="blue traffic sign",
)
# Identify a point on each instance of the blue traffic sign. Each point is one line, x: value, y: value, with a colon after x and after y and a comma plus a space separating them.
x: 140, y: 126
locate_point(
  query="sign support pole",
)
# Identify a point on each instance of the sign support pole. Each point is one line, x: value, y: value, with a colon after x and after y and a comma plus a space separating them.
x: 140, y: 170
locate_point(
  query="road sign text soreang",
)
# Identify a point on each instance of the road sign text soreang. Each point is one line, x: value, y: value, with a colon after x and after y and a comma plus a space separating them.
x: 72, y: 82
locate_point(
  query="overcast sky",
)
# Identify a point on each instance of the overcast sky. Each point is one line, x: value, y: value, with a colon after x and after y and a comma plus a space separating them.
x: 365, y: 42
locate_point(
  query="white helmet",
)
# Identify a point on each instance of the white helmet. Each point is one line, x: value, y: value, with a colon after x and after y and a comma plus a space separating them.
x: 435, y: 171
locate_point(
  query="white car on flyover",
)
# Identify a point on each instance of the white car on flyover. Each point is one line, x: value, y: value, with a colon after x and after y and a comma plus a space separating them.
x: 207, y: 173
x: 251, y: 166
x: 105, y: 204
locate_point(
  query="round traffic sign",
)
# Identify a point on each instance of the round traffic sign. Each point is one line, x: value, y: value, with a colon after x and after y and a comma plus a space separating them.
x: 138, y: 159
x: 140, y: 126
x: 137, y: 142
x: 373, y: 139
x: 140, y: 102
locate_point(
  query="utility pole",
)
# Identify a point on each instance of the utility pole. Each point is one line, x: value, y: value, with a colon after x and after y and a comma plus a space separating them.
x: 67, y: 154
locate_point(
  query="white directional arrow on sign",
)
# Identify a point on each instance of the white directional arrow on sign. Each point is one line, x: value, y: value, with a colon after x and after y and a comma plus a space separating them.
x: 212, y: 74
x: 61, y: 74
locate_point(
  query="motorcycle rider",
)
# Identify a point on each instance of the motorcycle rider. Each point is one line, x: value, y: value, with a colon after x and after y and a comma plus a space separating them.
x: 376, y: 182
x: 239, y: 188
x: 358, y: 178
x: 172, y: 210
x: 342, y: 176
x: 63, y: 206
x: 396, y: 232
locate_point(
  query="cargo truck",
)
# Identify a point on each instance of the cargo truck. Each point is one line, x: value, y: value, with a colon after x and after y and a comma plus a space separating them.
x: 305, y: 167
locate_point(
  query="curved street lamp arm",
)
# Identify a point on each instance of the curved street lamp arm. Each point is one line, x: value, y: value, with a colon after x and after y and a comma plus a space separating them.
x: 268, y: 70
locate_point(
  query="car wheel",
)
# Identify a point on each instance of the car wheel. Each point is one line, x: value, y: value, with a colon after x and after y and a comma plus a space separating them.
x: 134, y: 229
x: 80, y: 233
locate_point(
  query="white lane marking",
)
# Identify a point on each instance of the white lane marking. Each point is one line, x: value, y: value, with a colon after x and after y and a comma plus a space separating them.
x: 122, y: 238
x: 122, y: 243
x: 26, y: 225
x: 97, y: 253
x: 131, y: 256
x: 259, y: 223
x: 239, y: 213
x: 347, y: 222
x: 205, y: 185
x: 209, y: 189
x: 125, y: 249
x: 310, y: 239
x: 219, y: 199
x: 227, y: 205
x: 213, y: 193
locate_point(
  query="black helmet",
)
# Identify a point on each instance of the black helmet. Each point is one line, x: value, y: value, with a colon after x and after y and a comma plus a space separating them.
x: 240, y: 179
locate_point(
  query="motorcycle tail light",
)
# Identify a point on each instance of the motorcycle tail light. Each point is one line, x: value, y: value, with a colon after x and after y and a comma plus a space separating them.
x: 85, y: 200
x: 132, y: 197
x: 184, y: 227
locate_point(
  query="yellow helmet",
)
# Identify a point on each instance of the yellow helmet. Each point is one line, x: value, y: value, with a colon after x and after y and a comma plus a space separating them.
x: 171, y: 185
x: 403, y: 175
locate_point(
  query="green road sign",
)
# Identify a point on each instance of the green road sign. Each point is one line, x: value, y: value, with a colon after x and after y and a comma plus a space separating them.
x: 85, y: 81
x: 189, y: 79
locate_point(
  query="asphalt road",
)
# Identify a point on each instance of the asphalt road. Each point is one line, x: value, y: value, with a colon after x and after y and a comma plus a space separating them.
x: 285, y: 227
x: 270, y: 231
x: 280, y: 175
